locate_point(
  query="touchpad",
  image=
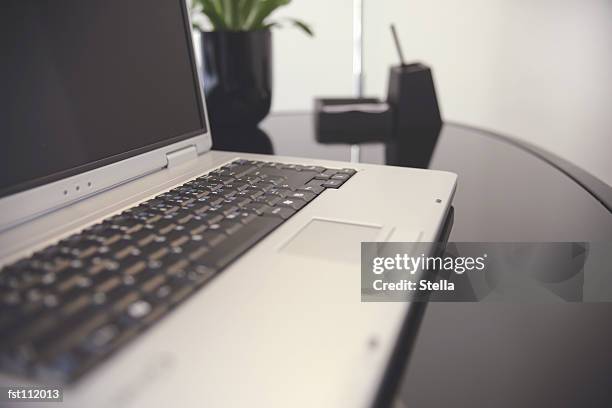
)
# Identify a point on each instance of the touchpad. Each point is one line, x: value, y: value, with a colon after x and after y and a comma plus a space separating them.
x: 333, y: 240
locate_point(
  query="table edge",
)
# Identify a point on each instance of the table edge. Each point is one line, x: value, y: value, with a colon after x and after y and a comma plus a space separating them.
x: 593, y: 185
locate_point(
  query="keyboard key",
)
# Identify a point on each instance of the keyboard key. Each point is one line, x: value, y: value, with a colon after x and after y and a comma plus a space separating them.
x: 258, y: 208
x: 294, y: 203
x: 341, y: 177
x: 327, y: 174
x: 231, y: 227
x: 317, y: 169
x: 212, y: 238
x: 332, y: 183
x: 280, y: 212
x: 315, y: 189
x: 139, y: 309
x: 303, y: 195
x: 350, y: 172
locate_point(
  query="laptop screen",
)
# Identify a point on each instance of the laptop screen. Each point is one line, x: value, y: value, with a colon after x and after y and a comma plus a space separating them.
x: 85, y: 83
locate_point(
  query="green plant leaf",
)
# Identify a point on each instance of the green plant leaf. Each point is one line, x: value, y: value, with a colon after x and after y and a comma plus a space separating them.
x: 246, y: 15
x: 245, y: 10
x: 302, y: 26
x: 297, y: 23
x: 263, y: 10
x: 210, y: 9
x: 217, y: 6
x: 273, y: 24
x: 230, y: 12
x: 236, y: 23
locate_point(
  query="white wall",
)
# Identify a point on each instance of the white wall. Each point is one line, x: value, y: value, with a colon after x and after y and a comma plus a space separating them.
x: 305, y: 67
x: 540, y: 70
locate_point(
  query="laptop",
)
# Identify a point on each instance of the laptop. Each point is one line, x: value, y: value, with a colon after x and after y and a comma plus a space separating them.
x: 140, y: 268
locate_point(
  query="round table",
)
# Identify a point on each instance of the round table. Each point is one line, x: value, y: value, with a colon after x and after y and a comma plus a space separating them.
x: 484, y: 354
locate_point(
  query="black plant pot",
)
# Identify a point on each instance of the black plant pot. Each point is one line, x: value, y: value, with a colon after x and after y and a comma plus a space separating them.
x: 237, y: 74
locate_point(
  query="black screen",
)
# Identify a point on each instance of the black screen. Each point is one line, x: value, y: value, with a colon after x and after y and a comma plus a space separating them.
x: 84, y: 83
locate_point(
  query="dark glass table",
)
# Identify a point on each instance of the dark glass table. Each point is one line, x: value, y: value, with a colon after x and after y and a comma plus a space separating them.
x: 484, y: 354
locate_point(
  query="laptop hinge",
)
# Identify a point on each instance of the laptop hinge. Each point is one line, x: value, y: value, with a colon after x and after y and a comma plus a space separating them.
x: 181, y: 156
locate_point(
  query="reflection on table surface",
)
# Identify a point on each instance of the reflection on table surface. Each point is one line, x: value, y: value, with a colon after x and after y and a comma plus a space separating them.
x: 504, y: 193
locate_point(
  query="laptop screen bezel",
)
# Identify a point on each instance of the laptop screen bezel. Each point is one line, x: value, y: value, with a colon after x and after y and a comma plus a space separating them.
x: 39, y: 196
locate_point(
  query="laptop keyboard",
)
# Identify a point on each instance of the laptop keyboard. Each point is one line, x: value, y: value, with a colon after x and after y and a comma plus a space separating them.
x: 72, y: 304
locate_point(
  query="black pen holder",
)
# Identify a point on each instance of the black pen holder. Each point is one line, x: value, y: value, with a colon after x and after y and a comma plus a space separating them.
x: 416, y: 116
x: 412, y: 95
